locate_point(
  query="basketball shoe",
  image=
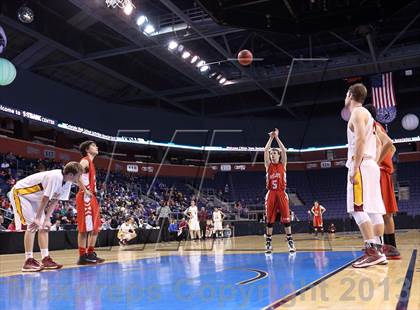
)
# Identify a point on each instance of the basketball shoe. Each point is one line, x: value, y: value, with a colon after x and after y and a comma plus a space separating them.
x: 291, y: 245
x: 371, y: 257
x: 268, y: 246
x: 391, y: 252
x: 48, y: 263
x: 31, y: 265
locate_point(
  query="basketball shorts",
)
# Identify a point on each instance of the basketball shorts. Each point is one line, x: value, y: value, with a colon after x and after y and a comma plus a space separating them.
x: 24, y: 210
x: 277, y: 202
x: 388, y: 194
x: 194, y: 225
x: 88, y: 213
x: 366, y: 194
x: 318, y: 221
x: 218, y: 225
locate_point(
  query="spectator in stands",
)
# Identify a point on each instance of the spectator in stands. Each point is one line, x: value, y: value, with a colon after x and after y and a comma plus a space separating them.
x: 331, y: 228
x: 145, y: 225
x: 238, y: 210
x: 3, y: 201
x: 163, y: 213
x: 1, y: 223
x: 173, y: 229
x: 106, y: 225
x: 65, y: 221
x: 152, y: 220
x: 202, y: 218
x: 182, y: 230
x: 10, y: 157
x: 244, y: 212
x: 114, y: 222
x: 12, y: 226
x: 127, y: 232
x: 56, y: 226
x: 226, y: 188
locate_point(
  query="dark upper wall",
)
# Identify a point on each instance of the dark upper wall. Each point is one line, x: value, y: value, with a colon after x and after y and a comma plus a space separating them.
x: 37, y: 94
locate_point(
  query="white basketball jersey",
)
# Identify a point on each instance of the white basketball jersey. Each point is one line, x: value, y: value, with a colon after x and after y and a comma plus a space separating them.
x: 193, y: 212
x: 370, y: 141
x: 217, y: 216
x: 47, y: 183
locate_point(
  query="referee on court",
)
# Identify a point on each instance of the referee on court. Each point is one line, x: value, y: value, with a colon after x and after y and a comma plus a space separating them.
x: 163, y: 213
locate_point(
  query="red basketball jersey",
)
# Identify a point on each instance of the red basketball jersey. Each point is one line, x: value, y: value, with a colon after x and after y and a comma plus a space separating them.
x: 386, y: 164
x: 317, y: 211
x: 276, y: 177
x: 91, y: 186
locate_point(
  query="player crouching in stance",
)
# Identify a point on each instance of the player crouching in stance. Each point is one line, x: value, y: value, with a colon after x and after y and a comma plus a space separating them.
x: 34, y: 199
x: 127, y: 231
x: 276, y: 200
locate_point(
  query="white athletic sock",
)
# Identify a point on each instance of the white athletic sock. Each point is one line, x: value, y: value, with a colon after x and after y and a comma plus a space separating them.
x: 379, y: 240
x: 371, y: 241
x: 44, y: 253
x: 29, y: 255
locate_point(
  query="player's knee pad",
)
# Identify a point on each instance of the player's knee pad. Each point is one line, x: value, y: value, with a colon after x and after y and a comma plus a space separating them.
x: 270, y: 225
x: 286, y: 224
x: 360, y: 217
x: 376, y: 218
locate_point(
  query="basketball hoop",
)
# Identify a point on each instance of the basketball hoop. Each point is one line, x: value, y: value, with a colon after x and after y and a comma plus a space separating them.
x: 118, y: 3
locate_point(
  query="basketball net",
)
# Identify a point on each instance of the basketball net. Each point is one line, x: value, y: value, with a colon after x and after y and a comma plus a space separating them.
x: 118, y: 3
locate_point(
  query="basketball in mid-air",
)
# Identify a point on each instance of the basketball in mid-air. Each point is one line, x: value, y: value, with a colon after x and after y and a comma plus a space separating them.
x: 245, y: 57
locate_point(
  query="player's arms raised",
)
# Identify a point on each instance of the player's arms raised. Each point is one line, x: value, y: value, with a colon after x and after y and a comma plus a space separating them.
x: 267, y: 150
x: 387, y: 145
x: 283, y: 149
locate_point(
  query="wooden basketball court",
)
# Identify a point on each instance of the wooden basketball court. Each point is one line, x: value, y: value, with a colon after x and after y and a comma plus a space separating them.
x: 228, y: 273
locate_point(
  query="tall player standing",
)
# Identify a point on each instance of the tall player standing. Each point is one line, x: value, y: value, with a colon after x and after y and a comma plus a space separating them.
x: 276, y: 199
x: 386, y: 151
x: 88, y: 211
x: 364, y: 199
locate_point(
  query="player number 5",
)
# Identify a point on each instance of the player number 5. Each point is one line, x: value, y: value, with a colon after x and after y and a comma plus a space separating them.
x: 274, y: 184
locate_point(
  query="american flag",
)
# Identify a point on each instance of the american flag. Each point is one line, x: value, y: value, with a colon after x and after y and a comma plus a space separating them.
x: 383, y: 91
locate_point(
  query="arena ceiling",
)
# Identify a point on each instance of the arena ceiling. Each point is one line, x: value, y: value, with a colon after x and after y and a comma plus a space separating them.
x: 103, y: 52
